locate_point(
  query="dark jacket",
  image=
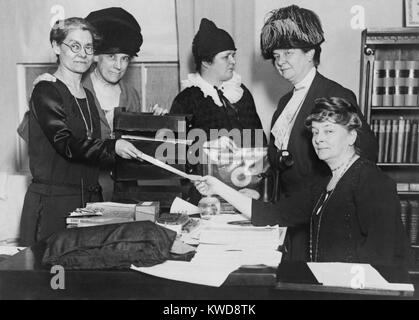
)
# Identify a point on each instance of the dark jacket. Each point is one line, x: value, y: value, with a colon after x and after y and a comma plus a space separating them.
x: 360, y: 222
x: 307, y: 166
x: 64, y: 164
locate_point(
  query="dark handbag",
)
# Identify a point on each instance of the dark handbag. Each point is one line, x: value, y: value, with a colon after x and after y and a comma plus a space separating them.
x: 142, y: 243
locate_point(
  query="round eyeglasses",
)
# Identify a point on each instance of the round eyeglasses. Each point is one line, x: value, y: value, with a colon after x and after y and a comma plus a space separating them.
x: 76, y: 48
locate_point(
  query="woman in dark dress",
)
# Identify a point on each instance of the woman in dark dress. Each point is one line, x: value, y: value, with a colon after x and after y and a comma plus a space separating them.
x: 65, y: 149
x: 291, y: 38
x: 214, y: 95
x: 354, y: 214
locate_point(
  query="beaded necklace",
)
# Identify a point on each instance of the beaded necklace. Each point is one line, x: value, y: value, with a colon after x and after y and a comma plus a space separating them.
x: 319, y: 209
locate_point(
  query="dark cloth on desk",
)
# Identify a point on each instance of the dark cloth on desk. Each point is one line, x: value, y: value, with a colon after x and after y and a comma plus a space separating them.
x: 360, y: 223
x: 141, y: 243
x: 64, y: 163
x: 307, y: 166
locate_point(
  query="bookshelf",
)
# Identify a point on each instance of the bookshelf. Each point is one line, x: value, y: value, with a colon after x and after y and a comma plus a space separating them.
x: 389, y: 87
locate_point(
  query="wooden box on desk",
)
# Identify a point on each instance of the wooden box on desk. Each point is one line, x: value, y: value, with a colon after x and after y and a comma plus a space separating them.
x: 147, y: 211
x: 161, y: 137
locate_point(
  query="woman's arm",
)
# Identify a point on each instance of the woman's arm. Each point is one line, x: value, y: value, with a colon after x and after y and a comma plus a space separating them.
x: 210, y: 185
x: 290, y: 211
x: 47, y: 108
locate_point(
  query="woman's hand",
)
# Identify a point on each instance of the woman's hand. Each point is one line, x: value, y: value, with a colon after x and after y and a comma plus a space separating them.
x: 158, y: 111
x: 127, y: 150
x: 44, y: 77
x: 208, y: 185
x: 222, y: 142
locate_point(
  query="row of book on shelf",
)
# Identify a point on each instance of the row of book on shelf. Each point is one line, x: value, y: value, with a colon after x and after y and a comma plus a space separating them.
x: 410, y: 219
x: 395, y: 83
x: 398, y: 140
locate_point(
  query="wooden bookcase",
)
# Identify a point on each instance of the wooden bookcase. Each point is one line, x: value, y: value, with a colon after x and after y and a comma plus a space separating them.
x: 377, y: 88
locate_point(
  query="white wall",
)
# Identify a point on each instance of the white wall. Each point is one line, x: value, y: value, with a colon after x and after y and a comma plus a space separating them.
x: 340, y: 58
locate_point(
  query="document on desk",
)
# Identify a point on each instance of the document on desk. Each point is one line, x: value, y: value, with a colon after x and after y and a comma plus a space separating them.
x: 353, y: 275
x: 181, y: 206
x: 237, y: 255
x: 246, y: 236
x: 213, y: 274
x: 223, y: 248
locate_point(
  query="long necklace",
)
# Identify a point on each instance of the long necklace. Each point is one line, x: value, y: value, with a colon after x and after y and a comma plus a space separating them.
x: 89, y: 131
x: 319, y: 209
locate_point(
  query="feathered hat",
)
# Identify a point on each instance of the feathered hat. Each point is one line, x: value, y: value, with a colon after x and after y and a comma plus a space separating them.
x: 119, y: 30
x: 211, y: 40
x: 290, y: 27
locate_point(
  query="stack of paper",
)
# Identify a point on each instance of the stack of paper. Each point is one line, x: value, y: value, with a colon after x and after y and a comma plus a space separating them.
x: 224, y: 246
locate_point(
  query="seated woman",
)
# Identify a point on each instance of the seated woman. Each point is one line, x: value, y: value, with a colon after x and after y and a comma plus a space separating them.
x: 65, y: 149
x: 214, y: 95
x: 354, y: 214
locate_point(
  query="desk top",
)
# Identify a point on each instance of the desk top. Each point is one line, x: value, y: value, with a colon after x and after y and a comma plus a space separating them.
x: 22, y: 276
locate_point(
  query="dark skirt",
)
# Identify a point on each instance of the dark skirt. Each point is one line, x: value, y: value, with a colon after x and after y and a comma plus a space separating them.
x: 46, y: 207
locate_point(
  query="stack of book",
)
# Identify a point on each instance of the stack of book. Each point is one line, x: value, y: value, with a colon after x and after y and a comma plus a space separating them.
x: 410, y: 219
x: 398, y: 139
x: 100, y: 213
x: 395, y: 83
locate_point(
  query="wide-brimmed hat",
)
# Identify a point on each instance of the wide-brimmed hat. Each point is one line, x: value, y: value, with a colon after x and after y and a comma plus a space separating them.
x: 119, y: 30
x: 290, y: 27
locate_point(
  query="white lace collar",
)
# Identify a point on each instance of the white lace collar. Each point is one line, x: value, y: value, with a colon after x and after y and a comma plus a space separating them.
x: 231, y: 88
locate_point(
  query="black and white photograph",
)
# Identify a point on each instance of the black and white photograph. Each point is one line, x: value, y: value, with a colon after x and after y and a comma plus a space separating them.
x: 216, y: 156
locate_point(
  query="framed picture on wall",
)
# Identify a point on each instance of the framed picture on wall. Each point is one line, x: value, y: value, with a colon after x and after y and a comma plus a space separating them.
x: 411, y: 13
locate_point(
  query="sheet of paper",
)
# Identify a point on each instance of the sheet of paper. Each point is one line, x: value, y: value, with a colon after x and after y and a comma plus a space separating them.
x: 228, y: 254
x: 174, y: 141
x: 204, y: 274
x: 351, y: 275
x: 181, y: 206
x: 165, y: 166
x: 10, y: 250
x: 222, y: 249
x: 267, y: 237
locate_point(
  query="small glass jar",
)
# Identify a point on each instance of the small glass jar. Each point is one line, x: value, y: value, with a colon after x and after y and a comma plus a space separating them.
x: 209, y: 206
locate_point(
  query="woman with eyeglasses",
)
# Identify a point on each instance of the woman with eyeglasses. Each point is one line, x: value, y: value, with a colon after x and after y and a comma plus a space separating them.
x: 65, y: 149
x: 291, y: 38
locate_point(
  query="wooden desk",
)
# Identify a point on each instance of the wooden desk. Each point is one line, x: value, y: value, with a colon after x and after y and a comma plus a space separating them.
x: 23, y: 277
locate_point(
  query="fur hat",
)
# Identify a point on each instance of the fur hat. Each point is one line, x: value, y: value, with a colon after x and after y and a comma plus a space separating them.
x: 119, y: 30
x: 210, y: 40
x: 290, y: 27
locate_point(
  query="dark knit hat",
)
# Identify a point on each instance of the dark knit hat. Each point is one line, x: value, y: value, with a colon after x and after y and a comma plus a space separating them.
x: 119, y: 30
x: 210, y: 40
x: 290, y: 27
